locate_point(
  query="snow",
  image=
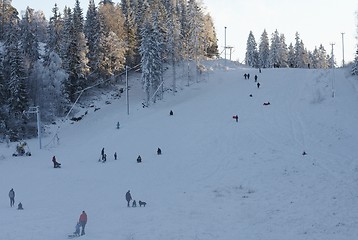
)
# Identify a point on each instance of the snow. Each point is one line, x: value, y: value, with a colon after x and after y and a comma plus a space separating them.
x: 216, y: 178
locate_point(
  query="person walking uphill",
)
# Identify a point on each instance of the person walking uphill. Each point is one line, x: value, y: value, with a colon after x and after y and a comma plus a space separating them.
x: 128, y: 197
x: 12, y: 197
x: 83, y: 221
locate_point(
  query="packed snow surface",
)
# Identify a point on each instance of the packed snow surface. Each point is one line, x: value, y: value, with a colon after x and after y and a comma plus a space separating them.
x: 217, y: 179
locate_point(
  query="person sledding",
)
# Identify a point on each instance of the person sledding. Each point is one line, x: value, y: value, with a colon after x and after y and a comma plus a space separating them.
x: 236, y: 117
x: 55, y: 163
x: 76, y: 233
x: 78, y: 228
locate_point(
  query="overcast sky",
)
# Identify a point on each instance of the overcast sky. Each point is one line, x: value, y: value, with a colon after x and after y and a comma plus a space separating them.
x: 317, y: 21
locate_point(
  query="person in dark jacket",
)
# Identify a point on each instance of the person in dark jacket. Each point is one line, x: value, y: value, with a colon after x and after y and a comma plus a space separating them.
x: 83, y: 221
x: 12, y: 197
x: 55, y: 163
x: 128, y: 197
x: 139, y: 159
x: 159, y: 151
x: 102, y: 153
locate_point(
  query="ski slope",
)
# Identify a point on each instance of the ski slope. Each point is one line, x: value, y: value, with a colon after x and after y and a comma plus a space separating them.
x: 217, y: 179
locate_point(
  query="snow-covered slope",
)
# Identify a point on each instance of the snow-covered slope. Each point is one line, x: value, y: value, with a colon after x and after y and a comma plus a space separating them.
x: 216, y: 179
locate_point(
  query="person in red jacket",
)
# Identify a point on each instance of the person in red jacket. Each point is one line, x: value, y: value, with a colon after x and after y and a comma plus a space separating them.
x: 83, y: 221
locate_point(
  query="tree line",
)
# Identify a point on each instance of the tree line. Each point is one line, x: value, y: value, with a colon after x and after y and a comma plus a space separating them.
x: 47, y: 63
x: 274, y: 52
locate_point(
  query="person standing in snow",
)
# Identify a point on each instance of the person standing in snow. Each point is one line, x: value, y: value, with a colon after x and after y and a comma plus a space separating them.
x: 83, y: 221
x: 102, y: 153
x: 128, y: 197
x: 255, y: 78
x: 12, y: 197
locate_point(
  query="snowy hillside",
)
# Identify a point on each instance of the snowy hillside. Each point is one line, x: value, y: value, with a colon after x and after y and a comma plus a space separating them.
x: 217, y: 179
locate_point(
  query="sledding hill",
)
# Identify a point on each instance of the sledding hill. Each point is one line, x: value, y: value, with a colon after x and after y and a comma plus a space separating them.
x: 216, y: 179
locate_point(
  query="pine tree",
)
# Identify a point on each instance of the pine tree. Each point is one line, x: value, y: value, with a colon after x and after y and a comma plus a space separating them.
x: 195, y: 40
x: 283, y: 53
x: 210, y: 39
x: 151, y: 61
x: 3, y: 97
x: 29, y: 40
x: 173, y: 38
x: 74, y: 51
x: 275, y: 49
x: 300, y: 57
x: 355, y: 64
x: 54, y: 32
x: 52, y: 78
x: 251, y: 58
x: 264, y: 50
x: 92, y: 33
x: 291, y: 56
x: 131, y: 28
x: 112, y: 45
x: 16, y: 75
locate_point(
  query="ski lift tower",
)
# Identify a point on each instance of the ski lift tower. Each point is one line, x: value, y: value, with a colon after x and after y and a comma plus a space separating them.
x: 231, y: 51
x: 37, y: 111
x: 332, y: 65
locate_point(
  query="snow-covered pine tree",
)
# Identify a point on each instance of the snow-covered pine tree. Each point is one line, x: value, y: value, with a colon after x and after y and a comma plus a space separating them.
x: 132, y: 43
x: 16, y: 78
x: 355, y: 64
x: 283, y: 53
x: 3, y: 97
x: 322, y: 57
x: 264, y: 50
x: 210, y: 39
x: 92, y: 33
x: 355, y: 61
x: 29, y: 40
x: 314, y: 58
x: 251, y: 56
x: 151, y: 61
x: 195, y: 39
x: 291, y: 56
x: 51, y: 82
x: 54, y: 32
x: 275, y: 49
x: 7, y: 11
x: 74, y: 52
x: 173, y: 38
x: 300, y: 53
